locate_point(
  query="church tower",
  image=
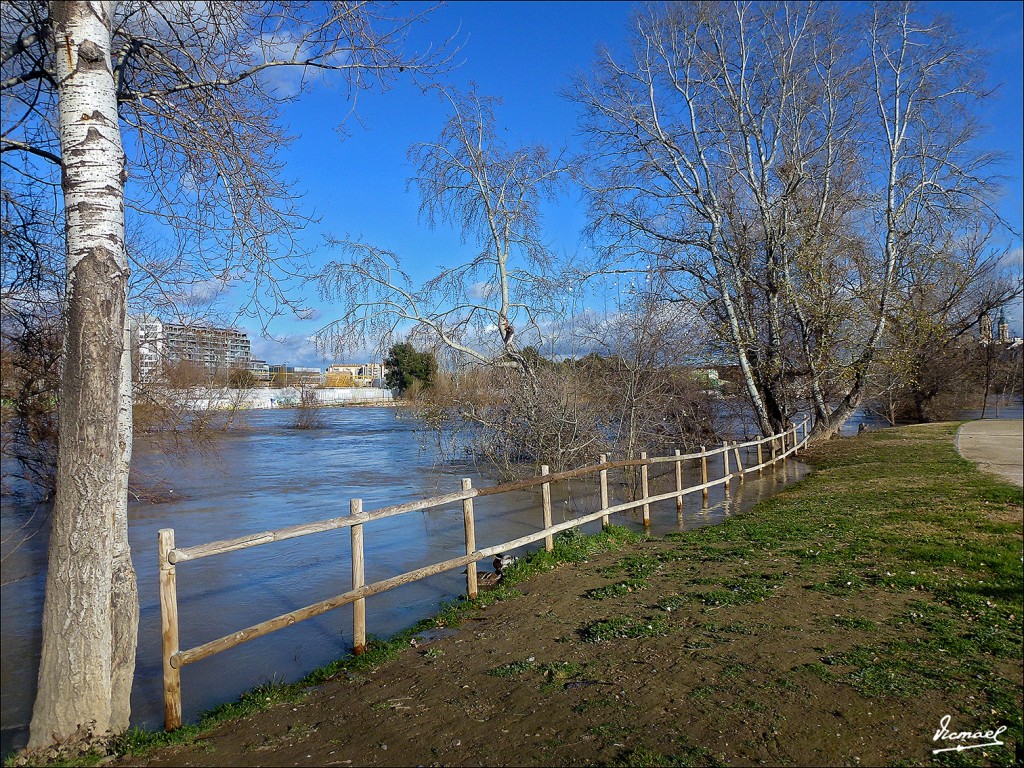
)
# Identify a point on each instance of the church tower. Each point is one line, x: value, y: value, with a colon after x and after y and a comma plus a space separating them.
x: 1003, y: 328
x: 985, y: 328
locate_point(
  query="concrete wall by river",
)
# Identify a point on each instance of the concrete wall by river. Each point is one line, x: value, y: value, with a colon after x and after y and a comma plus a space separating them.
x: 286, y: 397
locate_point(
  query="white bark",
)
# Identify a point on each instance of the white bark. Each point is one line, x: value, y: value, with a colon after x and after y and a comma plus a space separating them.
x: 75, y: 700
x: 124, y: 593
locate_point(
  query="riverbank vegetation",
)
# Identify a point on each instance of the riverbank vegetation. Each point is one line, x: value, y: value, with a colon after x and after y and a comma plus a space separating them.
x: 813, y: 217
x: 636, y: 391
x: 836, y: 623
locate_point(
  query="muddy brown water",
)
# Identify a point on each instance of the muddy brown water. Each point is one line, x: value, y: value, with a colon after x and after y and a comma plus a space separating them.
x: 268, y: 476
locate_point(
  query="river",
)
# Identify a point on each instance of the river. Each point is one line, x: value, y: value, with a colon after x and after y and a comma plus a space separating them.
x: 266, y: 476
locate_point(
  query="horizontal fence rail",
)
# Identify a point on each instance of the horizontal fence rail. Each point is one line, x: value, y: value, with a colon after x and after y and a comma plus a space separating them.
x: 781, y: 445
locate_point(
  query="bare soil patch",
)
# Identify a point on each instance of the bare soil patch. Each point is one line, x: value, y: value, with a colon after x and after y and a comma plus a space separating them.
x: 830, y: 626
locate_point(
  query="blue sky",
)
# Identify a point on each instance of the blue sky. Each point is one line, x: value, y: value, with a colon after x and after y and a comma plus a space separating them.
x: 526, y: 53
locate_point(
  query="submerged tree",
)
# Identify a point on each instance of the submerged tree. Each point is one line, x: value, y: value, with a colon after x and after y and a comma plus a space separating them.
x: 184, y: 84
x: 480, y: 312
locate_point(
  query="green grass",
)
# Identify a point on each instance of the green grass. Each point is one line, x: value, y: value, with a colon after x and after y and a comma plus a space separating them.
x: 618, y: 589
x: 892, y: 519
x: 748, y: 588
x: 853, y: 622
x: 514, y: 668
x: 625, y: 627
x: 895, y: 518
x: 642, y: 757
x: 638, y: 566
x: 570, y: 547
x: 899, y: 512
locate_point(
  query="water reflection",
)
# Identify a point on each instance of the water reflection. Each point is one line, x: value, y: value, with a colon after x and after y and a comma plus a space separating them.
x: 271, y: 476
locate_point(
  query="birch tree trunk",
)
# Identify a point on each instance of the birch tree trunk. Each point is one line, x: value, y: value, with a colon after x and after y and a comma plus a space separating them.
x: 124, y: 594
x: 90, y: 612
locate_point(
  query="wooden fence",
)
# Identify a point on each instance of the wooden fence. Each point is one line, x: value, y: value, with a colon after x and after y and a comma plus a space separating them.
x: 779, y: 447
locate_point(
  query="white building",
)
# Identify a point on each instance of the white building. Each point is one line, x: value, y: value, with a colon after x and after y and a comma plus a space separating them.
x: 216, y: 350
x: 355, y: 374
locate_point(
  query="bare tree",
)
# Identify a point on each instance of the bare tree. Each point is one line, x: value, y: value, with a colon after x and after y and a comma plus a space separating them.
x: 640, y: 372
x: 309, y: 410
x: 930, y: 350
x: 633, y: 392
x: 481, y: 311
x: 186, y: 85
x: 782, y: 163
x: 485, y: 311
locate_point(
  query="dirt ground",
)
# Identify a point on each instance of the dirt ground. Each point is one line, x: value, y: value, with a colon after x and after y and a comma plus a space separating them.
x: 727, y: 684
x: 837, y: 624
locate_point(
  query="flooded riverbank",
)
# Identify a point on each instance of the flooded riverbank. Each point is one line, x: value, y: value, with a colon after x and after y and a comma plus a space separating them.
x: 268, y: 476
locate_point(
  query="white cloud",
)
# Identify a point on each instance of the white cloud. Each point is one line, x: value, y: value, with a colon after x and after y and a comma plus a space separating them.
x: 291, y: 349
x: 1012, y: 259
x: 202, y: 293
x: 481, y: 290
x: 301, y: 349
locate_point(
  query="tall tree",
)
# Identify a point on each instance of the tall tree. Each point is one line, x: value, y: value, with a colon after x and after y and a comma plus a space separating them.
x: 404, y: 366
x: 782, y: 160
x: 186, y: 84
x: 480, y: 311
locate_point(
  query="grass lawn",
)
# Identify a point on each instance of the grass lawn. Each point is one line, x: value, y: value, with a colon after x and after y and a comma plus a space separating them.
x: 837, y: 623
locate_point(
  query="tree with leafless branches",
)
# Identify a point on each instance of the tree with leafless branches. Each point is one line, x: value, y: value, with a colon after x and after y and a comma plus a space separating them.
x: 169, y: 112
x: 783, y: 163
x: 483, y: 310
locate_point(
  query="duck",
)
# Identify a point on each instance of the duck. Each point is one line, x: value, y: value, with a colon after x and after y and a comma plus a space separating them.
x: 501, y: 562
x: 488, y: 579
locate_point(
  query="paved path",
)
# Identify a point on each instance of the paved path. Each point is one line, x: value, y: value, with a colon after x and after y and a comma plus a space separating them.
x: 997, y: 445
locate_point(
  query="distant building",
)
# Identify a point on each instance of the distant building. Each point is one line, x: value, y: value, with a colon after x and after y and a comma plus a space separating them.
x: 1003, y: 328
x: 295, y: 376
x: 351, y: 369
x: 260, y: 370
x: 985, y: 328
x: 998, y: 330
x: 215, y: 350
x: 354, y: 374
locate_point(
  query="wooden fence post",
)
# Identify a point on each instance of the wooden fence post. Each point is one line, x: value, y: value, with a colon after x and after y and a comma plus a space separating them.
x: 739, y: 463
x: 760, y: 457
x: 169, y: 630
x: 796, y: 442
x: 782, y: 438
x: 704, y: 473
x: 679, y: 484
x: 606, y: 521
x: 725, y: 463
x: 545, y: 494
x: 358, y: 580
x: 467, y: 517
x: 644, y: 489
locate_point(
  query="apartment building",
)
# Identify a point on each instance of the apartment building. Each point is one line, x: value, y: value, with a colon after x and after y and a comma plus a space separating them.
x: 216, y: 350
x: 354, y: 375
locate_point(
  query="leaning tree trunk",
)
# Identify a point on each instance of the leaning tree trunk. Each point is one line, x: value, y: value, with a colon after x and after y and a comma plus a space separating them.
x: 90, y: 610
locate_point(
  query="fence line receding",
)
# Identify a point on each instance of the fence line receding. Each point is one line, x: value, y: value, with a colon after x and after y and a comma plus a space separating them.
x: 782, y: 445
